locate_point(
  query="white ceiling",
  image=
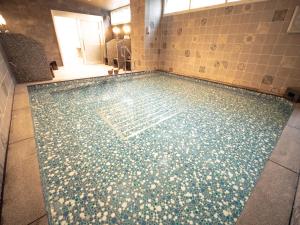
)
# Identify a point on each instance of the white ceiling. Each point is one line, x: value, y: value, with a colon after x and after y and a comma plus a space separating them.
x: 107, y: 4
x: 118, y: 3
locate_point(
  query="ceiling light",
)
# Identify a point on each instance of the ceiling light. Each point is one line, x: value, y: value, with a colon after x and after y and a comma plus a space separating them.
x: 126, y: 29
x: 116, y: 30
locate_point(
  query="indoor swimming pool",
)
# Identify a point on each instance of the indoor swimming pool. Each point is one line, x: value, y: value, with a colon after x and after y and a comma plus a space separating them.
x: 151, y: 148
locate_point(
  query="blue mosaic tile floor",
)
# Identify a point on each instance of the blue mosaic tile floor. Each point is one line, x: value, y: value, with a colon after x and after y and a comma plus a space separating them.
x: 151, y: 148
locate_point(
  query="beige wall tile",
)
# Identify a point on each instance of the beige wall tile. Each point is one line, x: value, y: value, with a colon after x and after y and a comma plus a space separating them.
x: 249, y: 38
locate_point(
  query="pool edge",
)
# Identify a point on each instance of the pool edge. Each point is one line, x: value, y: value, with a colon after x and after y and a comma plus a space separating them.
x: 272, y: 200
x: 139, y: 73
x: 255, y: 189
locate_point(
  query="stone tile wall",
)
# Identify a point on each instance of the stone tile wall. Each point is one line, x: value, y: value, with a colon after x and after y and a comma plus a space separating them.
x: 246, y: 45
x: 28, y: 61
x: 145, y: 37
x: 153, y: 33
x: 137, y: 34
x: 7, y: 84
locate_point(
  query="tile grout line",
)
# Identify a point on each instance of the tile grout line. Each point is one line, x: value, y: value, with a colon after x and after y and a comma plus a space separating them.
x: 294, y: 200
x: 23, y: 108
x: 284, y: 167
x: 24, y: 139
x: 37, y: 219
x: 5, y: 159
x: 297, y: 128
x: 20, y: 93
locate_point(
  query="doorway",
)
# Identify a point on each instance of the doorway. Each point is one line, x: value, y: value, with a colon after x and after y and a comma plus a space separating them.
x: 80, y: 38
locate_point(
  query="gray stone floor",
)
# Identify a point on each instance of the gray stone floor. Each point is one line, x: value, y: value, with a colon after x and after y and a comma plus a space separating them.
x: 270, y: 203
x: 23, y: 201
x: 272, y: 199
x: 295, y: 220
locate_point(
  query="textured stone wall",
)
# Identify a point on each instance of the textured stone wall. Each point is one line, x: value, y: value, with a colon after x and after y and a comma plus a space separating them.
x: 7, y: 85
x: 244, y: 45
x: 32, y: 18
x: 145, y: 37
x: 27, y: 57
x: 138, y: 34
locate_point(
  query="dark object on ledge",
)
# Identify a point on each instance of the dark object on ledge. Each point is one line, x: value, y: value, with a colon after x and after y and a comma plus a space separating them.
x: 128, y: 65
x: 115, y: 63
x: 293, y: 94
x: 53, y: 65
x: 110, y: 72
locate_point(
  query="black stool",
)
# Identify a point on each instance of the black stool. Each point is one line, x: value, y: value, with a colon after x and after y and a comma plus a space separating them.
x: 293, y: 94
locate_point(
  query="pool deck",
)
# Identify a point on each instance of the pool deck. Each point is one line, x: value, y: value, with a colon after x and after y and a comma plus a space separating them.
x: 274, y: 200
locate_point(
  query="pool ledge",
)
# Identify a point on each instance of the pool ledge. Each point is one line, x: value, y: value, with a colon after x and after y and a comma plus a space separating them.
x: 273, y: 200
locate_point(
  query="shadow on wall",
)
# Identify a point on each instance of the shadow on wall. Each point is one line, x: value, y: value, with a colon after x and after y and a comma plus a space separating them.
x: 27, y: 57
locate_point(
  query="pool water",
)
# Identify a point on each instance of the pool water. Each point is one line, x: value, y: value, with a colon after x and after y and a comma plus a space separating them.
x: 151, y: 148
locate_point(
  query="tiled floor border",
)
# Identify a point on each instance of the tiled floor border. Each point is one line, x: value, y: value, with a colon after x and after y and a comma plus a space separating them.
x: 271, y: 201
x: 231, y: 85
x: 23, y: 201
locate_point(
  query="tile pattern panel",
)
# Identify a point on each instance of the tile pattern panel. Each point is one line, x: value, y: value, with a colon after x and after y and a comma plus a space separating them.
x: 244, y: 45
x: 7, y: 84
x: 129, y: 119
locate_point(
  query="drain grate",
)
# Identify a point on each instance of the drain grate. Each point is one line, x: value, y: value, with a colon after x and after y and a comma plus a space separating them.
x: 133, y: 115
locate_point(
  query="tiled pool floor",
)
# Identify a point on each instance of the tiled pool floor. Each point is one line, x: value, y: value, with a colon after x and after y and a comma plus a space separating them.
x: 151, y: 149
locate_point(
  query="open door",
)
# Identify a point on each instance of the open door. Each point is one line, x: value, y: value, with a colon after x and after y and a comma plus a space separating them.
x: 91, y: 41
x: 69, y: 40
x: 80, y: 37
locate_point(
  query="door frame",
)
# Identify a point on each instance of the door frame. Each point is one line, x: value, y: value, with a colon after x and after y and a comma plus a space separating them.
x: 79, y: 16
